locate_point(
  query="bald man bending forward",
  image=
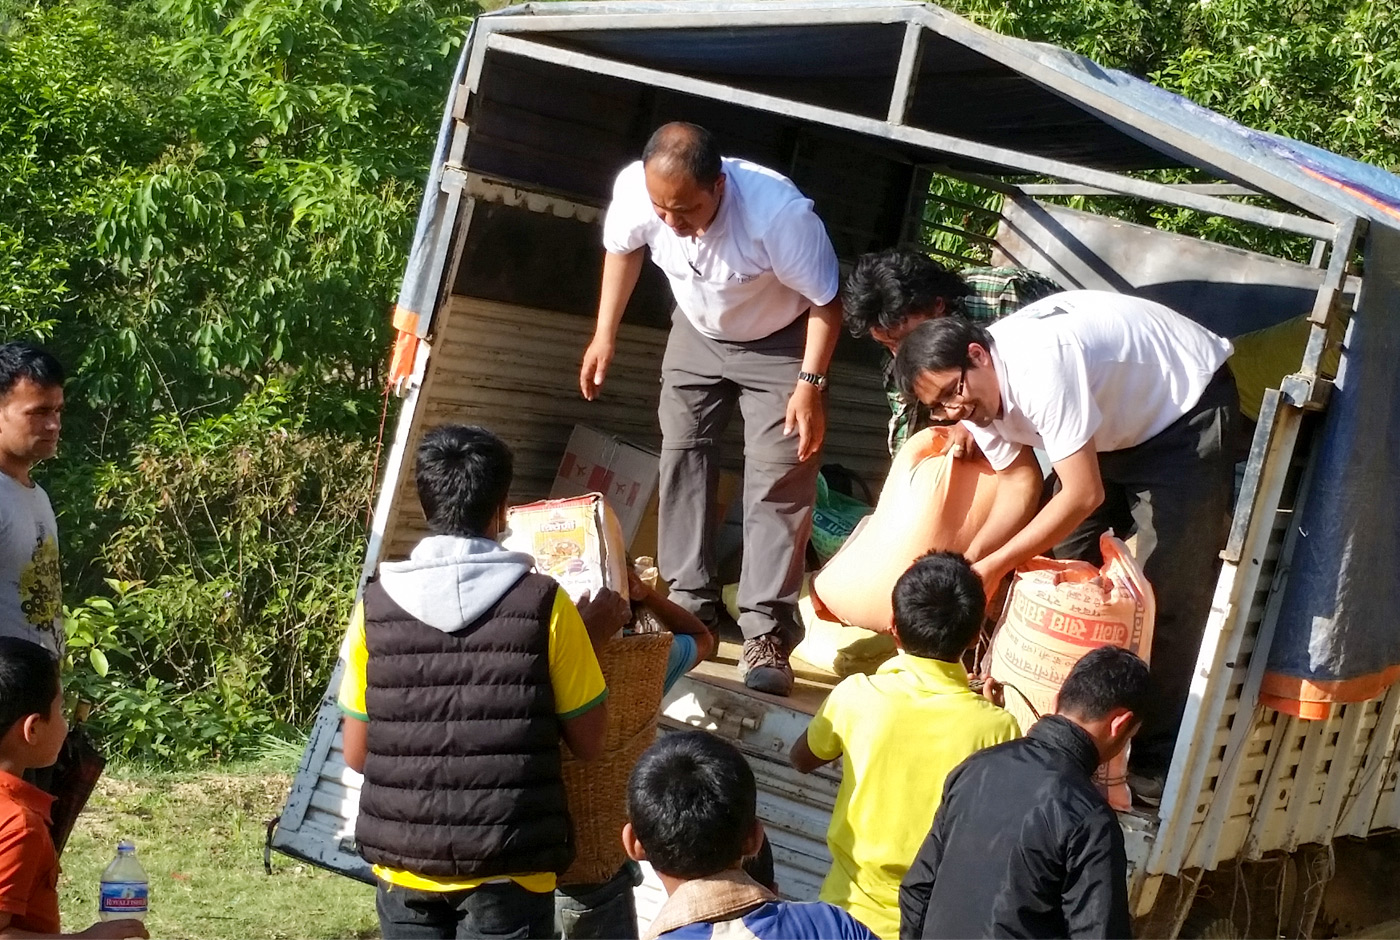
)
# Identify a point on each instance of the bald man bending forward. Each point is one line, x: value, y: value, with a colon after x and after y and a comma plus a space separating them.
x: 755, y: 281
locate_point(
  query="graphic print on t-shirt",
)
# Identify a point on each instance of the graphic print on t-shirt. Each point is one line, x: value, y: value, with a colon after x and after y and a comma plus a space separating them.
x: 39, y: 592
x: 31, y: 591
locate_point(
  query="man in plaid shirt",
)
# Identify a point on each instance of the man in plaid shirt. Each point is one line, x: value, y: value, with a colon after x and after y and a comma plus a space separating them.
x: 890, y: 292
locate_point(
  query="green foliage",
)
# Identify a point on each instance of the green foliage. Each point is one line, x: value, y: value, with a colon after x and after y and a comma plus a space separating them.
x: 959, y: 221
x: 222, y: 188
x: 234, y: 542
x: 1322, y: 71
x: 206, y: 208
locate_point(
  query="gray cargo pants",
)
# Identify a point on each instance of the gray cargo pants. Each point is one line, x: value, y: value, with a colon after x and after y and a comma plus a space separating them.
x: 1173, y: 491
x: 701, y: 381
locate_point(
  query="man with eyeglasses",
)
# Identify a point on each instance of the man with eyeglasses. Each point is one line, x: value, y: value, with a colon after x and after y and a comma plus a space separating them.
x: 1136, y: 410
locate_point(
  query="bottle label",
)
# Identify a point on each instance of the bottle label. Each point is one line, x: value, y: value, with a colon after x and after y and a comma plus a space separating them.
x: 123, y: 897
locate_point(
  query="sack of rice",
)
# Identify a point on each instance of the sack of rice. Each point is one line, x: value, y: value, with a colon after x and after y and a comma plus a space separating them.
x: 1060, y: 610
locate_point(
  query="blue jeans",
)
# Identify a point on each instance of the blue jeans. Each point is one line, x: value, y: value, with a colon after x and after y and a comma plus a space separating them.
x: 502, y: 911
x: 604, y: 911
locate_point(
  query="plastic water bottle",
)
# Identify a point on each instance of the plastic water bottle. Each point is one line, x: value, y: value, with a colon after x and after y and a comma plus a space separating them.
x: 124, y: 891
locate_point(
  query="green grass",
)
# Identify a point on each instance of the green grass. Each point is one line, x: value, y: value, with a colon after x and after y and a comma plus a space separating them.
x: 200, y: 837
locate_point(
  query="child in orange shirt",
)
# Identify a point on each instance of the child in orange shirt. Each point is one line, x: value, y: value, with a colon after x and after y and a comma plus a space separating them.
x: 32, y: 729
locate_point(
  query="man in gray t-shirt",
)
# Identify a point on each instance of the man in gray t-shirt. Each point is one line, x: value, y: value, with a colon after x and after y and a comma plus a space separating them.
x: 31, y: 405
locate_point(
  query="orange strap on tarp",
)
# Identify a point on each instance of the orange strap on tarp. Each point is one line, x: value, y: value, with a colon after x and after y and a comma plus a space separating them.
x: 1365, y: 197
x: 1313, y: 700
x: 401, y: 363
x: 405, y: 345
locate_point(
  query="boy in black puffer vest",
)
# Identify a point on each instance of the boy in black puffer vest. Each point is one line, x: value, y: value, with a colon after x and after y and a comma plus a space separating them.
x: 463, y: 670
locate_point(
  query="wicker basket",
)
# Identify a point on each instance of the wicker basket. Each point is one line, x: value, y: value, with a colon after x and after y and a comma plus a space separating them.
x: 635, y: 668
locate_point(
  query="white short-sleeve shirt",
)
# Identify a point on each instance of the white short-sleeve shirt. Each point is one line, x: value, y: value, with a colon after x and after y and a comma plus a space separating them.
x: 1094, y: 365
x: 760, y: 265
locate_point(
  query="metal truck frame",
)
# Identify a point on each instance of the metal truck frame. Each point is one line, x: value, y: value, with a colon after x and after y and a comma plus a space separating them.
x: 858, y: 99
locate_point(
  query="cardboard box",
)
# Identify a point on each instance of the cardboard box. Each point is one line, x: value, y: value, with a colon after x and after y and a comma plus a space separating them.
x: 576, y: 541
x: 624, y: 473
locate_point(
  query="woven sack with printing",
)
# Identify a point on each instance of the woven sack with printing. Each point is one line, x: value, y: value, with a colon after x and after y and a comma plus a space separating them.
x: 1060, y: 610
x: 635, y: 669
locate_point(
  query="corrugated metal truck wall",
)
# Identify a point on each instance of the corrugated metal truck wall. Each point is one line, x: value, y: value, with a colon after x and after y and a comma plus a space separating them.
x: 515, y: 370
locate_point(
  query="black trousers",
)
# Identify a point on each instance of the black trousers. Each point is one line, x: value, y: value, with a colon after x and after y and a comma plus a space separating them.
x: 1173, y: 492
x: 604, y: 911
x: 500, y: 911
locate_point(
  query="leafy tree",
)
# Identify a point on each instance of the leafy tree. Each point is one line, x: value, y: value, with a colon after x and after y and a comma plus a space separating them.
x: 233, y: 546
x: 1322, y: 71
x: 239, y: 201
x: 202, y: 195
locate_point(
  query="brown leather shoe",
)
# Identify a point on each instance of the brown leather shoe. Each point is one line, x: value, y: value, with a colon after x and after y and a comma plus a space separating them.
x: 764, y: 664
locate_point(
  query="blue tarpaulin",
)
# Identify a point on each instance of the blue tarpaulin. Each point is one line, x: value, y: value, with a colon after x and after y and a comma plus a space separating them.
x: 1335, y: 641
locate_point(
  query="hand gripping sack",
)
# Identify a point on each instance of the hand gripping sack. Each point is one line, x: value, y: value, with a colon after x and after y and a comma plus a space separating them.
x: 931, y: 501
x: 1057, y: 612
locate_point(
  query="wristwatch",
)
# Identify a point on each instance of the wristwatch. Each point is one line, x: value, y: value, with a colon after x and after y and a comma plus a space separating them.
x: 814, y: 378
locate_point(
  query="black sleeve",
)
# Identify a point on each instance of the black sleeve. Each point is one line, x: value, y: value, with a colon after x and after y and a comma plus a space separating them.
x: 1095, y: 898
x: 917, y: 886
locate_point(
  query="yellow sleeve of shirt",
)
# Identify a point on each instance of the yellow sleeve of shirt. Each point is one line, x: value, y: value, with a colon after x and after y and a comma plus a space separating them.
x: 352, y: 681
x: 824, y: 733
x: 573, y: 666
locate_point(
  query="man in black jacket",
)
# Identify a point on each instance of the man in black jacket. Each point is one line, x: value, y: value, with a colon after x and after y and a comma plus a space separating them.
x: 1031, y: 845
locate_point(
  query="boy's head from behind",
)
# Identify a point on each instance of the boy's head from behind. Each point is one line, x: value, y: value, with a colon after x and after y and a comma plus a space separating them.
x: 1106, y: 694
x: 463, y: 474
x: 32, y: 727
x: 938, y: 606
x: 692, y: 805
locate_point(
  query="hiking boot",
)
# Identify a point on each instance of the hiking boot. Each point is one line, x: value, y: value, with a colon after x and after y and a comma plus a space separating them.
x: 1147, y: 788
x: 764, y: 664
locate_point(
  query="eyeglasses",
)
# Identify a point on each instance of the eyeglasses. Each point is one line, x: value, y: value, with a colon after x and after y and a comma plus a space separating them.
x: 944, y: 403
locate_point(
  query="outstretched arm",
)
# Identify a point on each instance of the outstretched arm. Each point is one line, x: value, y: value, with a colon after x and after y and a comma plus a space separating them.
x: 674, y: 617
x: 620, y: 273
x: 586, y: 734
x: 802, y: 758
x: 106, y: 929
x: 1017, y: 496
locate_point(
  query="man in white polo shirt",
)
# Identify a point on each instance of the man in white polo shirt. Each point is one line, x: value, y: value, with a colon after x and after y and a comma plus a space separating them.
x: 1137, y: 412
x: 755, y: 281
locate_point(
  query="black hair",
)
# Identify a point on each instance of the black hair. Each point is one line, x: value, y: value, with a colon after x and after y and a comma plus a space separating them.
x: 21, y: 360
x: 939, y: 604
x: 1104, y: 679
x: 934, y: 346
x: 688, y: 148
x: 463, y: 474
x: 885, y: 287
x: 692, y: 802
x: 28, y: 681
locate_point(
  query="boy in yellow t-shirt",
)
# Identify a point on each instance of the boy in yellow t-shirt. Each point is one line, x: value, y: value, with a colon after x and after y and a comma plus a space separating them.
x: 898, y: 734
x: 463, y: 669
